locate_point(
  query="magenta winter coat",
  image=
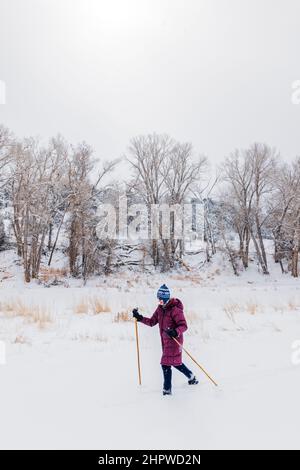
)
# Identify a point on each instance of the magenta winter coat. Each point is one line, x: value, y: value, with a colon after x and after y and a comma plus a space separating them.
x: 170, y: 316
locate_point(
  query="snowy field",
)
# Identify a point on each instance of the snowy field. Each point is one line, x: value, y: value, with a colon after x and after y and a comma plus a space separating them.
x: 70, y: 377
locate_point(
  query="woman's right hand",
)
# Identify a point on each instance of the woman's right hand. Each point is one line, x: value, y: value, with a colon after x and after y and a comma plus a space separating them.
x: 137, y: 315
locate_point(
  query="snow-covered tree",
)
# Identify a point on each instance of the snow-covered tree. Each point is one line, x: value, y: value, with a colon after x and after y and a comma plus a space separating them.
x: 285, y: 216
x: 37, y: 174
x: 82, y: 207
x: 163, y: 173
x: 250, y: 177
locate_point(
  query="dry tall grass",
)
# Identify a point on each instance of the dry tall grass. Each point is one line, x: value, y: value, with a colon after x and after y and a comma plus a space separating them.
x: 123, y: 316
x: 99, y: 306
x: 33, y: 313
x: 51, y: 274
x: 82, y: 307
x: 19, y: 339
x: 231, y: 310
x: 194, y: 278
x: 92, y: 306
x: 252, y: 308
x: 293, y: 304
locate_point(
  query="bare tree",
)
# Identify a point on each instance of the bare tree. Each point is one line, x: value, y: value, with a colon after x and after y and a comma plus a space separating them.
x: 82, y: 206
x: 263, y: 160
x: 202, y: 195
x: 284, y: 219
x: 36, y: 173
x: 181, y: 174
x: 238, y: 173
x: 164, y: 172
x: 150, y: 158
x: 250, y: 175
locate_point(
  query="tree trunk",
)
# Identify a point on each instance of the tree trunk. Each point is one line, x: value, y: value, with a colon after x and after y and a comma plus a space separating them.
x: 296, y: 248
x: 262, y: 247
x: 73, y: 248
x: 295, y: 262
x: 49, y: 244
x: 155, y: 255
x: 259, y: 255
x: 56, y: 239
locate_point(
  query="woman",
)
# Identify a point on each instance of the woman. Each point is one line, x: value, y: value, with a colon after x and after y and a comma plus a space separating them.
x: 172, y: 324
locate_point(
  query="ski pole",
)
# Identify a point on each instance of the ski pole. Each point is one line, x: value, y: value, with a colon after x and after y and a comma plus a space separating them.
x: 193, y: 359
x: 138, y: 351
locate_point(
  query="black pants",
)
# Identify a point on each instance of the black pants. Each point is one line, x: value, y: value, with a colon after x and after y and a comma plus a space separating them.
x: 167, y: 371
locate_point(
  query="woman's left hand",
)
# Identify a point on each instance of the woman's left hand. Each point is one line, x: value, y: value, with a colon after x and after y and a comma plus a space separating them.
x: 171, y: 332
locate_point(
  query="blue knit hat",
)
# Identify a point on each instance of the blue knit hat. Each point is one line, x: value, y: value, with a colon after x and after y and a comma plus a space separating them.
x: 163, y: 293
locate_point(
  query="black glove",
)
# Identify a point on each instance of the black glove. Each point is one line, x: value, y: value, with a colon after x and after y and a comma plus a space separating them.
x: 137, y: 315
x: 171, y: 332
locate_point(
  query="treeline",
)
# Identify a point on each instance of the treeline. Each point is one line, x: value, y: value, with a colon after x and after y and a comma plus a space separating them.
x: 52, y: 194
x: 262, y: 199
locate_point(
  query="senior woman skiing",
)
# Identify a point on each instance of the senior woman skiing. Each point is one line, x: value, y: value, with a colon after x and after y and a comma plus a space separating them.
x: 172, y: 324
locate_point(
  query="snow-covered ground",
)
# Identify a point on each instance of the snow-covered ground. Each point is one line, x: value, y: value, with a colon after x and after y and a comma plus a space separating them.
x: 70, y: 378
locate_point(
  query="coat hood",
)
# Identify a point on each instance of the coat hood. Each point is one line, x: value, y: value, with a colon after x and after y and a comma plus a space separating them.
x: 174, y: 303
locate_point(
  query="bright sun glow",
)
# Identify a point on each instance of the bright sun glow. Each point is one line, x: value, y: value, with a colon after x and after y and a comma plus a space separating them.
x: 112, y: 15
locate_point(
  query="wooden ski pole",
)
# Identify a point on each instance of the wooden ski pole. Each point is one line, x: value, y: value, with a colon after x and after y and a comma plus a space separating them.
x: 193, y: 359
x: 138, y: 351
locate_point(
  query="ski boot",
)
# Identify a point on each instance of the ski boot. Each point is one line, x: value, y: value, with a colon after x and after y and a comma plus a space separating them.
x: 193, y: 381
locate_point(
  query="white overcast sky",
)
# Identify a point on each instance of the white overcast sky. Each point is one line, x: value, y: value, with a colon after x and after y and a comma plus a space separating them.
x: 217, y: 73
